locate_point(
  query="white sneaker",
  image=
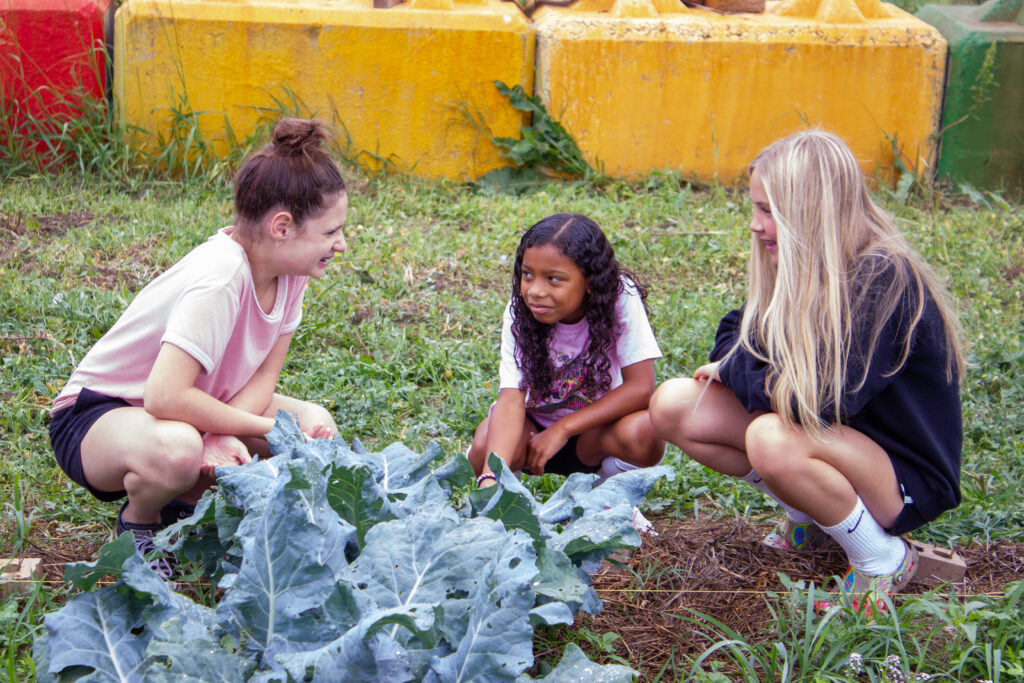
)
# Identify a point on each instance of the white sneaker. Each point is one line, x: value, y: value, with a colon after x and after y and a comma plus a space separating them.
x: 642, y: 525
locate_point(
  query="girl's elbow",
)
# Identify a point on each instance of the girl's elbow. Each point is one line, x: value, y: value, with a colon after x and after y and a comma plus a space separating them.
x: 157, y: 401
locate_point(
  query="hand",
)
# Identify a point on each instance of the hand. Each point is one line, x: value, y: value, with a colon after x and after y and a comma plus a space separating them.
x: 320, y: 431
x: 708, y: 372
x: 220, y: 450
x: 543, y: 447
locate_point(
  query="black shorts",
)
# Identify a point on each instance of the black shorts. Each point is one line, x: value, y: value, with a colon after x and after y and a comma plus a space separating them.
x: 68, y: 426
x: 914, y: 489
x: 565, y: 461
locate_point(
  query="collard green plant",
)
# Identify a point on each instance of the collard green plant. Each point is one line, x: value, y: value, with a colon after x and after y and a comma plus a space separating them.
x: 340, y: 564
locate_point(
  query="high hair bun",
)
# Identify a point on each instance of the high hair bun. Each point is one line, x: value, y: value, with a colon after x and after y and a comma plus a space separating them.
x: 299, y: 136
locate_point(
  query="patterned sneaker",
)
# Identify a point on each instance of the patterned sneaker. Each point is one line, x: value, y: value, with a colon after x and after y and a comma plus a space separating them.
x: 791, y: 536
x: 869, y: 590
x: 143, y: 534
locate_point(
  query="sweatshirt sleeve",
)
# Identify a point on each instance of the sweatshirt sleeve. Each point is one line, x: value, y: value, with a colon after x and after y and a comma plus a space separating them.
x: 743, y: 372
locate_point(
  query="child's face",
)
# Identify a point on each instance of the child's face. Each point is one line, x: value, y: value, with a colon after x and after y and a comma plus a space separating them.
x: 553, y: 287
x: 763, y: 222
x: 311, y: 248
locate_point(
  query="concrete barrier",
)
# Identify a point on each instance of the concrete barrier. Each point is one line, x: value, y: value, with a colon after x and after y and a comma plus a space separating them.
x: 648, y: 85
x: 412, y: 86
x: 52, y: 53
x: 983, y: 122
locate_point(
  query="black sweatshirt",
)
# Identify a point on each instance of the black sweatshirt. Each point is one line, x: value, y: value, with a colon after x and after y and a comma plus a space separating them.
x: 913, y: 413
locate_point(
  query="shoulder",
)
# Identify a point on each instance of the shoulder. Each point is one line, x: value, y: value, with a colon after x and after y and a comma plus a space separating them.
x: 219, y: 261
x: 630, y: 304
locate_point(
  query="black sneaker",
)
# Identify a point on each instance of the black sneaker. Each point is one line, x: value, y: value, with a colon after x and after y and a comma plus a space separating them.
x: 175, y: 511
x: 161, y: 563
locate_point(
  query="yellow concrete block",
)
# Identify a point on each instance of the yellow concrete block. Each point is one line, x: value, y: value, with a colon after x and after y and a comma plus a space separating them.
x: 413, y: 85
x: 702, y: 93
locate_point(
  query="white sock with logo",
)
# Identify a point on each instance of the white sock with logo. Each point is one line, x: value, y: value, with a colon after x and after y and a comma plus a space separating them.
x: 866, y: 543
x: 755, y: 480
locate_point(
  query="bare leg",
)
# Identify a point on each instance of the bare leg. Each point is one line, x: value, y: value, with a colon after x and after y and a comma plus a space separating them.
x: 630, y: 438
x: 153, y: 460
x: 478, y: 449
x: 706, y: 421
x: 824, y: 479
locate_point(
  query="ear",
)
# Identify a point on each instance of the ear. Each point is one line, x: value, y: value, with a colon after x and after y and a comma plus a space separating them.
x: 279, y: 225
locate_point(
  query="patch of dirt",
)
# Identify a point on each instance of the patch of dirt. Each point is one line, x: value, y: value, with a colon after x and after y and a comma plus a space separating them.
x: 716, y: 567
x: 14, y: 228
x: 720, y: 568
x: 133, y: 267
x: 58, y: 543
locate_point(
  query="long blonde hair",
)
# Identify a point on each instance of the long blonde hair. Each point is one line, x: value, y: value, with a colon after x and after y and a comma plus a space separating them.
x: 843, y: 270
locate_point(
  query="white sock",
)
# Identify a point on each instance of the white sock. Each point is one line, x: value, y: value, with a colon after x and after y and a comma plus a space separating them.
x: 866, y: 543
x: 755, y: 480
x: 611, y: 466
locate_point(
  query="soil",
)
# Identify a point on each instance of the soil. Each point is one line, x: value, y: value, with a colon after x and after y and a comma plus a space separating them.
x: 719, y: 568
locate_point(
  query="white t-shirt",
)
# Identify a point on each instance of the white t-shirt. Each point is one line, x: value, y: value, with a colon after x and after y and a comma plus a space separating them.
x: 206, y: 305
x: 635, y: 343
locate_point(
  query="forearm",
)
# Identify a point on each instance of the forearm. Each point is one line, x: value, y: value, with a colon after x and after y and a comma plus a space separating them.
x: 256, y: 396
x: 617, y: 403
x: 505, y: 428
x: 204, y: 412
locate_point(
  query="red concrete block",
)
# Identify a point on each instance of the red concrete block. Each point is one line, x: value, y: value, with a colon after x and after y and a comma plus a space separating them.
x: 52, y: 53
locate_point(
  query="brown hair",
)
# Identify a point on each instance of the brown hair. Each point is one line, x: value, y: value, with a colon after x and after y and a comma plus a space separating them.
x: 293, y: 173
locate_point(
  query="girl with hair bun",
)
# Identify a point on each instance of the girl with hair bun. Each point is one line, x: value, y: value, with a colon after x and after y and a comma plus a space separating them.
x: 577, y: 360
x: 184, y: 381
x: 835, y: 388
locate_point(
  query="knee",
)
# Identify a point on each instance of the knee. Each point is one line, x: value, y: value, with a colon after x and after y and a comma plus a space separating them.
x: 648, y: 447
x: 769, y: 446
x: 313, y: 415
x: 179, y: 447
x: 671, y: 405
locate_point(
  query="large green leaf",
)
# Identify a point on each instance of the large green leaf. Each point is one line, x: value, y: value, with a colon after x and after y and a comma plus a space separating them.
x: 354, y: 494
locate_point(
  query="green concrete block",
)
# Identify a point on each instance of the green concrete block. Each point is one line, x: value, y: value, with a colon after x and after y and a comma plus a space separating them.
x: 982, y: 140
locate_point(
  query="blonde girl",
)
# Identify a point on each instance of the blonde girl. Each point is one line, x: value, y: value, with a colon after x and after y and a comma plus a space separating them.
x: 185, y: 379
x: 835, y: 388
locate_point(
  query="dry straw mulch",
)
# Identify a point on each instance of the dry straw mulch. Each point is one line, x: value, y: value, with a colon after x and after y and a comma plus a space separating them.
x: 721, y: 569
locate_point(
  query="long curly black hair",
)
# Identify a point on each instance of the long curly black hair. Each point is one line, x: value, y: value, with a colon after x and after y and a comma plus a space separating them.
x: 582, y: 241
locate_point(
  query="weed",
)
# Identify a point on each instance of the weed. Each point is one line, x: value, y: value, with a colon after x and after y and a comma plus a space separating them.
x: 545, y: 148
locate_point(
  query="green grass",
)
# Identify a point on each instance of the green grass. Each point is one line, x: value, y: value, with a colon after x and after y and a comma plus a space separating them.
x: 400, y: 341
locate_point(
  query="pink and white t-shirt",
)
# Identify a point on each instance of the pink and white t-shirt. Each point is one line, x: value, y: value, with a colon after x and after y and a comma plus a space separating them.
x: 567, y: 342
x: 206, y: 305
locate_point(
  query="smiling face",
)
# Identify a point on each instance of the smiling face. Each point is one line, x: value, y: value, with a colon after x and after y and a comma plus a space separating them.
x: 308, y: 250
x: 552, y: 286
x: 762, y: 223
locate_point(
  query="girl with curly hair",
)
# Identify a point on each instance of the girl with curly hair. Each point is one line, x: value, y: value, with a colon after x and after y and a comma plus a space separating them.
x: 834, y: 389
x: 577, y: 360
